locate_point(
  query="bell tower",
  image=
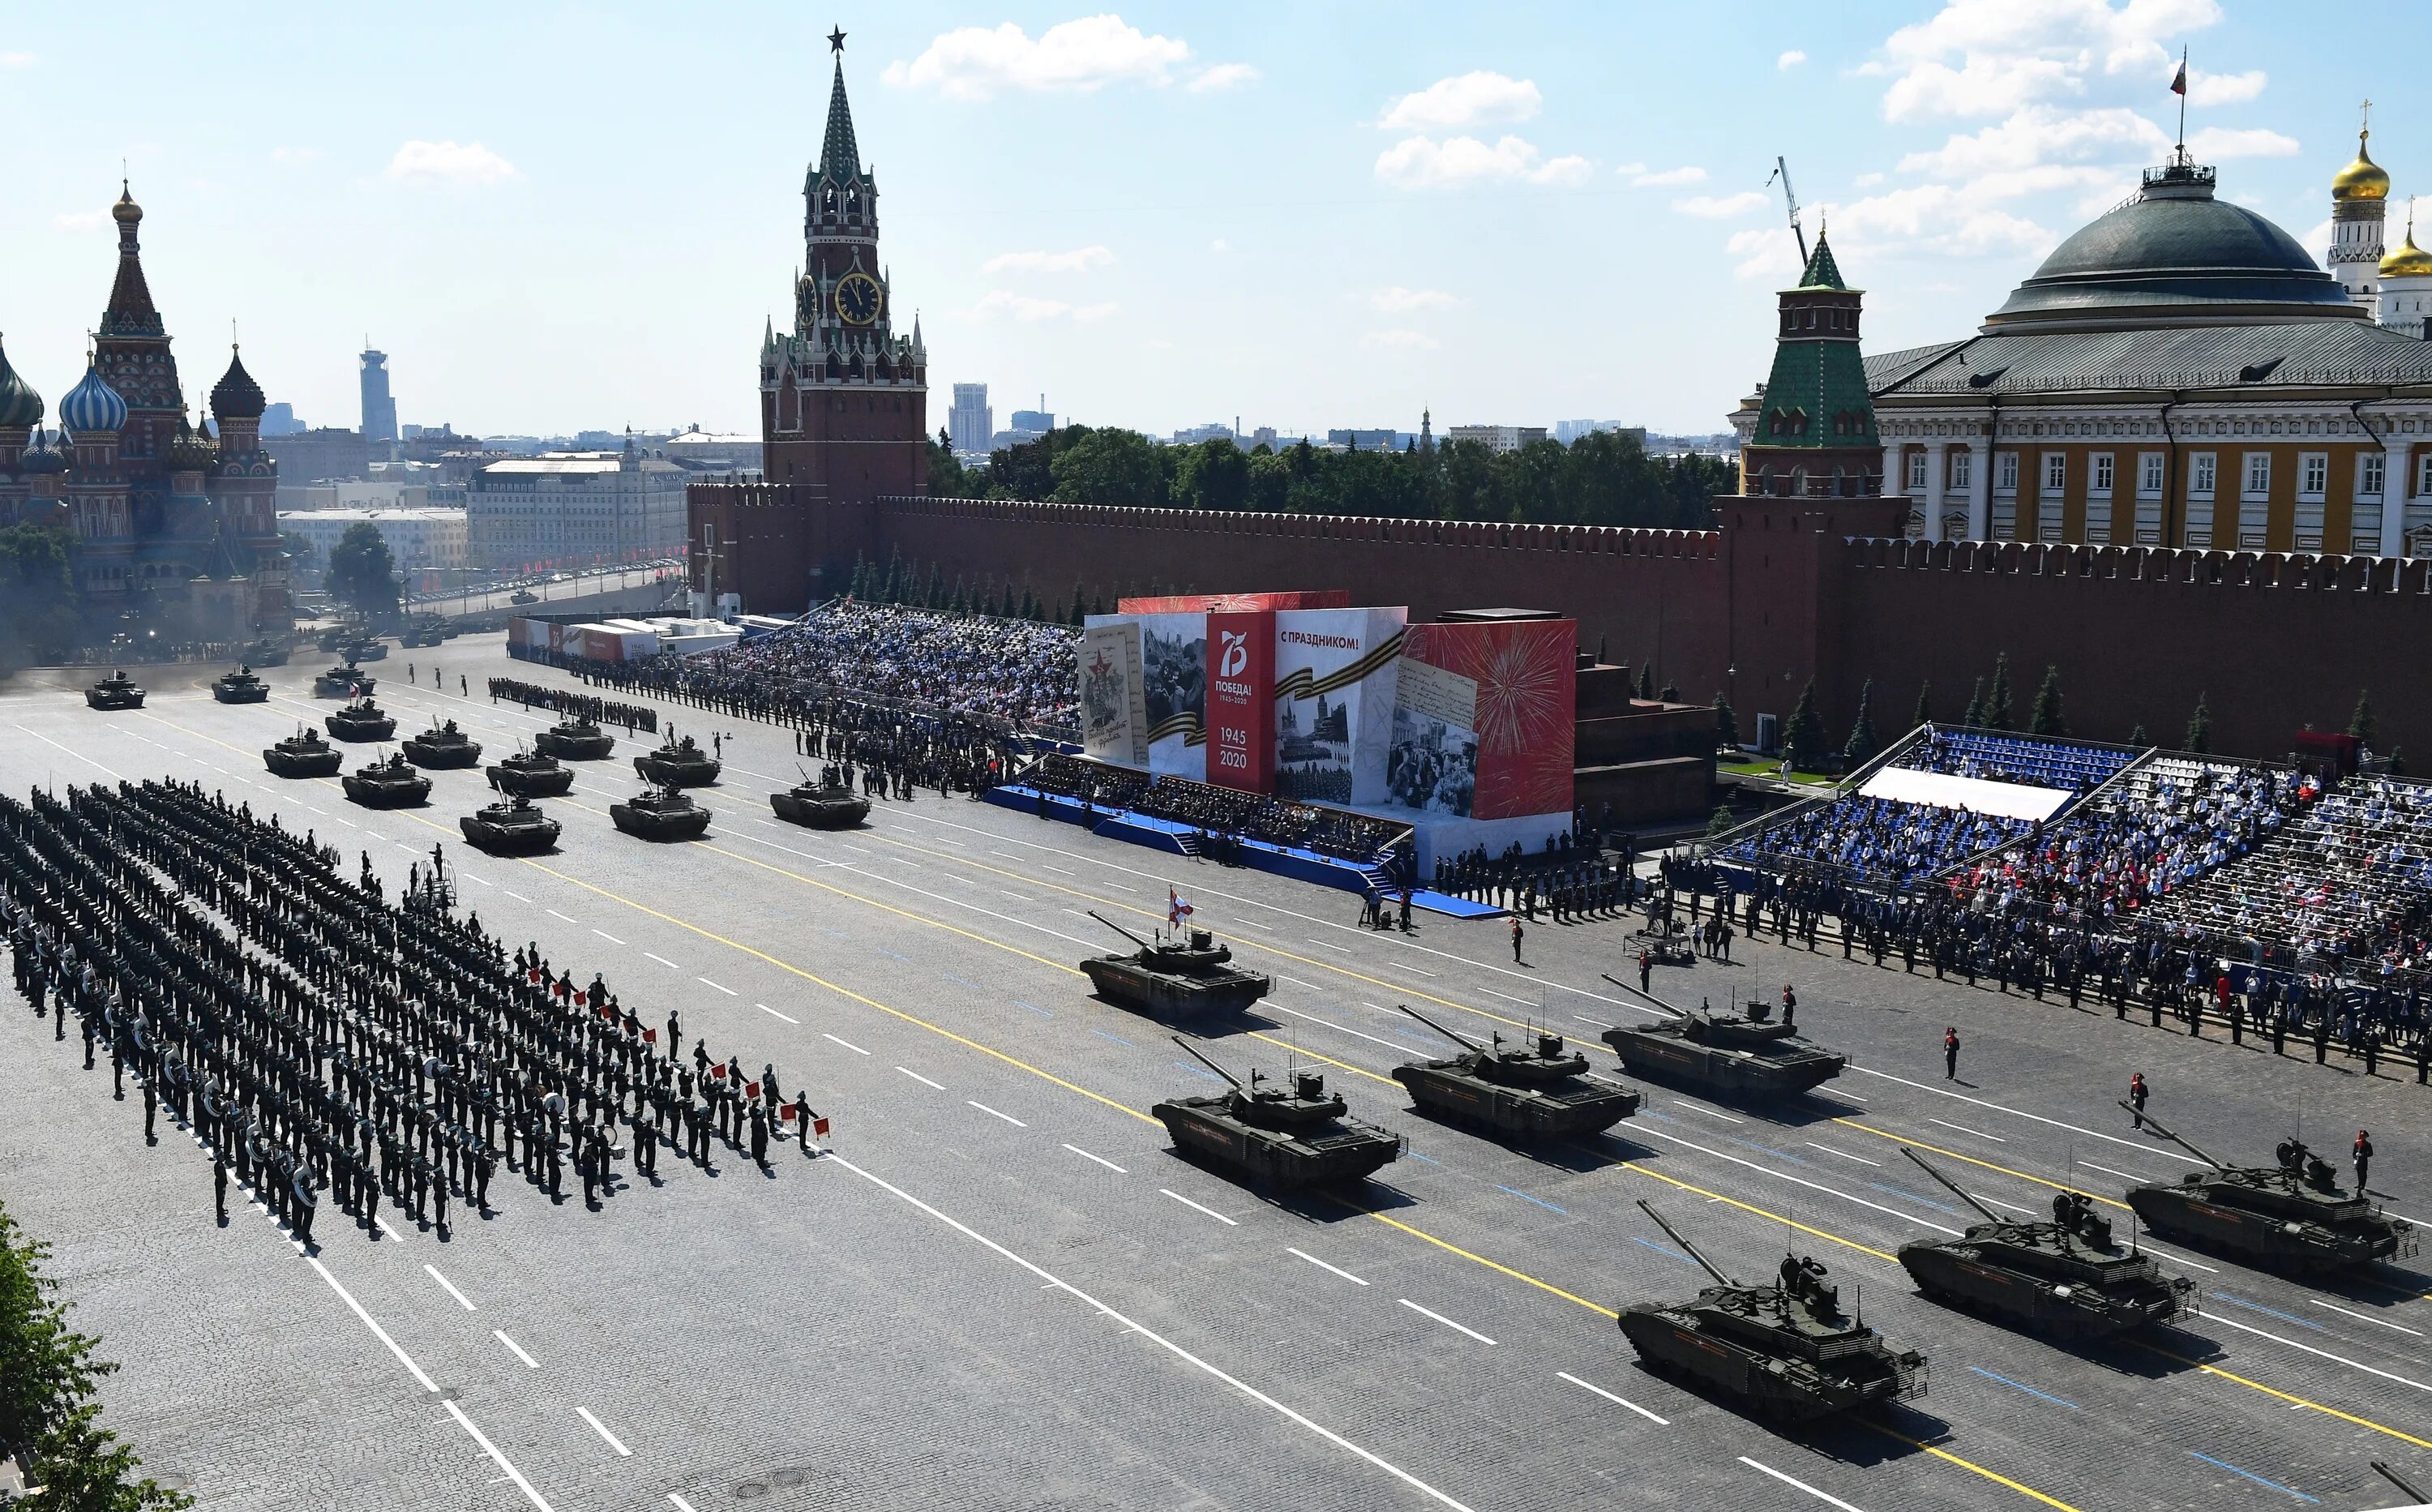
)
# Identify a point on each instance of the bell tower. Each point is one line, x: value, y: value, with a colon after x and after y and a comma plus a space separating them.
x: 1815, y: 434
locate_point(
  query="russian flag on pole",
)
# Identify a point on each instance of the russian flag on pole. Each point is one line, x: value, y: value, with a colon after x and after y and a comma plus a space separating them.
x: 1176, y: 909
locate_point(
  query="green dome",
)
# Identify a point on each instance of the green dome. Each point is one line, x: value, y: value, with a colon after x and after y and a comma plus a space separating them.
x: 2174, y: 256
x: 21, y: 408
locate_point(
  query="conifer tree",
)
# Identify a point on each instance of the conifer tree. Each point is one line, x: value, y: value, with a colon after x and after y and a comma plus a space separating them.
x: 2361, y: 723
x: 1924, y: 714
x: 1646, y: 682
x: 1669, y: 692
x: 2397, y: 765
x: 1860, y: 747
x: 2137, y: 738
x: 1974, y: 718
x: 959, y: 601
x: 1726, y: 725
x: 2046, y: 718
x: 1997, y: 714
x: 1725, y: 820
x: 1805, y: 743
x: 2199, y: 736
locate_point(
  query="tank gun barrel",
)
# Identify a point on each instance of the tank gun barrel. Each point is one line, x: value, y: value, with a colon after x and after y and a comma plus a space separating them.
x: 1649, y: 996
x: 1990, y: 1217
x: 2406, y: 1489
x: 2176, y: 1140
x: 1456, y: 1038
x: 1203, y: 1060
x: 1129, y: 935
x: 1711, y: 1269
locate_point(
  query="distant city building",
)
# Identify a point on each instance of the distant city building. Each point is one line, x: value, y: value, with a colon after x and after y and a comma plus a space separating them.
x: 1038, y: 422
x: 317, y: 454
x: 706, y: 448
x: 1358, y: 440
x: 577, y: 506
x: 302, y: 497
x: 971, y: 422
x: 1497, y: 438
x: 1213, y: 431
x: 1568, y: 432
x: 279, y: 419
x: 379, y: 410
x: 1263, y: 437
x: 417, y: 540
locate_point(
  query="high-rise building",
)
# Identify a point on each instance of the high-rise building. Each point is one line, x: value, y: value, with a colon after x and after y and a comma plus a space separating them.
x: 971, y: 422
x: 1037, y: 422
x: 279, y: 419
x: 379, y: 410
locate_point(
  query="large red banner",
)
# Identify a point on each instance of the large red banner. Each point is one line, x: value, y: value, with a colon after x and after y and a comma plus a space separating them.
x: 1521, y: 678
x: 1228, y: 603
x: 1241, y: 699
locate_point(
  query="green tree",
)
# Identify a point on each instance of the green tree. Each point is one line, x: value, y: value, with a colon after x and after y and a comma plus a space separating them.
x: 1974, y: 718
x: 2397, y: 765
x: 1726, y: 725
x: 947, y: 477
x: 1998, y: 715
x: 2046, y: 718
x: 2137, y: 738
x: 1647, y: 683
x: 1213, y: 475
x: 1924, y: 712
x: 2361, y: 723
x: 1803, y: 743
x: 1113, y: 467
x: 1669, y: 692
x: 39, y: 610
x: 2199, y: 736
x: 1860, y: 748
x: 83, y: 1468
x: 362, y: 573
x: 1723, y: 821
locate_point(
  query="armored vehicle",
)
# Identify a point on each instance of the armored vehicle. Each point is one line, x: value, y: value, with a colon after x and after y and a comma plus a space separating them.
x: 2065, y: 1278
x: 241, y: 687
x: 523, y: 596
x: 1783, y: 1352
x: 113, y: 693
x: 425, y: 630
x: 1288, y: 1138
x: 823, y: 805
x: 2290, y: 1217
x: 527, y: 775
x: 513, y: 827
x: 344, y: 680
x: 303, y: 755
x: 661, y: 813
x: 266, y: 652
x: 574, y: 738
x: 370, y: 648
x: 390, y: 784
x: 1542, y: 1093
x: 1723, y: 1055
x: 442, y: 746
x: 1175, y: 977
x: 361, y: 720
x: 678, y: 764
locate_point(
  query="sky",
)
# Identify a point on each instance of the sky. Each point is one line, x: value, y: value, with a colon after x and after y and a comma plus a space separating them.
x: 566, y: 216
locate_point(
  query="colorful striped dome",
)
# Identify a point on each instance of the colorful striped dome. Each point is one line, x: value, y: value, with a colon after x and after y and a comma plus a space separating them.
x: 93, y: 406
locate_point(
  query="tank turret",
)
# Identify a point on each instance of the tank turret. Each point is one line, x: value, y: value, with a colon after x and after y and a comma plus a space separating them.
x: 678, y: 764
x: 389, y: 784
x: 515, y: 827
x: 1191, y: 975
x: 344, y: 680
x: 1540, y: 1091
x: 574, y: 738
x: 823, y: 805
x: 114, y: 693
x: 242, y: 686
x: 1734, y: 1055
x: 361, y: 720
x: 1295, y: 1135
x: 2291, y: 1217
x: 531, y: 774
x: 303, y: 755
x: 661, y: 813
x: 443, y: 747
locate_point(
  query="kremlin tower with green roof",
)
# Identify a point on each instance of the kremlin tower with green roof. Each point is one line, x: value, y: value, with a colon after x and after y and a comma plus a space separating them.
x: 1815, y: 434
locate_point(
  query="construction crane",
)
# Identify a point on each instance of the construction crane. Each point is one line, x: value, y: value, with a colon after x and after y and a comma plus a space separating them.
x: 1782, y: 171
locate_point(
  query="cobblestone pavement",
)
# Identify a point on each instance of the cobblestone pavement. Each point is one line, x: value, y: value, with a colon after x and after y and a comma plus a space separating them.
x: 1003, y: 1289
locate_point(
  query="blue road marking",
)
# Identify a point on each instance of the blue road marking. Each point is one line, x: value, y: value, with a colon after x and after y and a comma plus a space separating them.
x: 1429, y: 1159
x: 1199, y: 1071
x: 884, y: 951
x: 1019, y: 1003
x: 1779, y: 1154
x: 2023, y: 1387
x: 951, y: 977
x: 1649, y: 1112
x: 837, y: 933
x: 1525, y: 1198
x: 2268, y: 1312
x: 1912, y: 1197
x: 1117, y: 1038
x: 1665, y: 1250
x: 2256, y: 1479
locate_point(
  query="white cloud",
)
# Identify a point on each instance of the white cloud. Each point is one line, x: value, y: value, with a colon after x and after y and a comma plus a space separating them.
x: 1224, y: 76
x: 1219, y: 247
x: 446, y: 162
x: 1771, y: 252
x: 1923, y: 220
x: 16, y: 60
x: 1400, y: 340
x: 2216, y: 142
x: 297, y: 153
x: 2224, y: 88
x: 1466, y: 100
x: 1790, y: 59
x: 80, y: 220
x: 1026, y: 308
x: 1398, y: 300
x: 1079, y: 260
x: 1665, y: 178
x: 2317, y: 242
x: 978, y: 62
x: 1867, y: 180
x: 2040, y: 135
x: 1420, y: 162
x: 2008, y: 53
x: 1708, y: 207
x: 1981, y: 86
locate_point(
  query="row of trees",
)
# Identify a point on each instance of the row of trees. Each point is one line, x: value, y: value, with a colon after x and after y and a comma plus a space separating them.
x: 898, y: 581
x: 1603, y: 479
x: 49, y: 1415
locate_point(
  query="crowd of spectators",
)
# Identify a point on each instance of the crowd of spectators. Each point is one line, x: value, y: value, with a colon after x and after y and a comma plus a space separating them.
x: 1017, y: 671
x: 1885, y: 843
x: 1216, y: 813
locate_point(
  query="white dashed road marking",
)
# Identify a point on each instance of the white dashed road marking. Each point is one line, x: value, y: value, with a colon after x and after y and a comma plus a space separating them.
x: 1188, y: 1203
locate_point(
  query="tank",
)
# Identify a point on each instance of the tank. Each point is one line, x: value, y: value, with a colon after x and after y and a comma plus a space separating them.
x: 370, y: 648
x: 523, y: 596
x: 361, y: 720
x: 442, y: 746
x: 344, y: 680
x: 2068, y: 1279
x: 241, y: 687
x: 425, y: 630
x: 390, y: 784
x: 266, y: 652
x: 1784, y: 1352
x: 1723, y: 1055
x: 529, y: 774
x: 678, y: 764
x: 1539, y: 1093
x: 661, y: 813
x: 824, y: 805
x: 574, y: 739
x: 1284, y: 1138
x: 303, y: 755
x: 1179, y: 978
x: 114, y: 692
x: 2290, y: 1217
x: 515, y: 827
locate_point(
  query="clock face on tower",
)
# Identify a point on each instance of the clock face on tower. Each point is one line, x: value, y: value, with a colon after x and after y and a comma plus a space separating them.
x: 858, y: 298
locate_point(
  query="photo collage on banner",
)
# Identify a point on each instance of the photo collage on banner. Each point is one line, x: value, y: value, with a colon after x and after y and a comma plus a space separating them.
x: 1334, y: 703
x: 1485, y: 719
x: 1114, y: 714
x: 1173, y: 690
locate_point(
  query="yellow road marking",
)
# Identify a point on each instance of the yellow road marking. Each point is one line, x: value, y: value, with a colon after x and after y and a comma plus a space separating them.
x: 1746, y: 1207
x: 2294, y: 1400
x: 1995, y: 1476
x: 1903, y: 1139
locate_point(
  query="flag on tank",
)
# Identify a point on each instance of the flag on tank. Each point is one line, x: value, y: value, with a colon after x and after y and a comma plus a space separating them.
x: 1176, y: 908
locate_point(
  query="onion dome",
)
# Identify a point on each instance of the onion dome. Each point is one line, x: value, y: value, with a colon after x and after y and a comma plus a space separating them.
x: 191, y: 450
x: 126, y: 212
x: 2362, y: 178
x: 43, y: 456
x: 93, y: 407
x: 236, y: 395
x: 21, y: 408
x: 2408, y: 260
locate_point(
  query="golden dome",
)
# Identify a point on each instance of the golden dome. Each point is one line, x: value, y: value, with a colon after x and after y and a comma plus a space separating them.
x: 2362, y: 178
x: 2407, y: 262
